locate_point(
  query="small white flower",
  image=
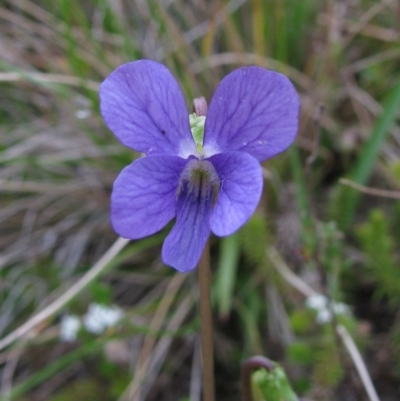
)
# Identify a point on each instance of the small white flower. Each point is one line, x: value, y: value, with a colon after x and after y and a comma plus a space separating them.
x: 341, y: 308
x: 323, y: 316
x: 100, y: 317
x: 320, y: 304
x: 69, y: 327
x: 317, y: 302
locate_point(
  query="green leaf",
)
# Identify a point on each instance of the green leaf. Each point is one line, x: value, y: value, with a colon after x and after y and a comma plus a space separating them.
x: 272, y: 385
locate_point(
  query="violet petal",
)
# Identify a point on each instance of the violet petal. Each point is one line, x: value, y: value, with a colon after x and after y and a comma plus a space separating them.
x: 241, y: 186
x: 253, y: 110
x: 142, y: 104
x: 185, y: 243
x: 144, y: 195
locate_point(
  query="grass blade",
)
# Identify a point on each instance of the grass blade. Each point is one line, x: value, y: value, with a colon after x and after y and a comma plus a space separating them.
x: 348, y: 198
x: 226, y: 274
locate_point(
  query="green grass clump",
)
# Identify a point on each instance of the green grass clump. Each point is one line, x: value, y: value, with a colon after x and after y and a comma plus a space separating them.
x: 379, y: 246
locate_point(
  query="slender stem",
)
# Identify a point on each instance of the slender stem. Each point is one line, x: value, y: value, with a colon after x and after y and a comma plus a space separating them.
x: 206, y: 329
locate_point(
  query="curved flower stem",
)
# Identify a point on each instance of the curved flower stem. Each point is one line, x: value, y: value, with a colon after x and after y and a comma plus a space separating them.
x: 206, y: 328
x: 247, y: 368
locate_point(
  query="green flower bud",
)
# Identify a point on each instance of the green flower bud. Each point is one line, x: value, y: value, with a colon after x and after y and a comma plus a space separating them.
x: 271, y: 385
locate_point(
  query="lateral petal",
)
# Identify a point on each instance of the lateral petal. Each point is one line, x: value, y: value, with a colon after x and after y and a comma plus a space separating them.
x: 144, y: 195
x: 241, y: 186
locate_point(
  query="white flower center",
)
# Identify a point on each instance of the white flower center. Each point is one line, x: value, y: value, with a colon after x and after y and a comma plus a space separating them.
x: 200, y: 179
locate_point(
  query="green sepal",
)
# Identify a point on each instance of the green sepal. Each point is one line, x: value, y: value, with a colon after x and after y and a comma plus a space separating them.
x: 197, y: 128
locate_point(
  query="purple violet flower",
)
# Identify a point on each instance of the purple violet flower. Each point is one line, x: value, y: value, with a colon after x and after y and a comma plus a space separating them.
x: 213, y: 185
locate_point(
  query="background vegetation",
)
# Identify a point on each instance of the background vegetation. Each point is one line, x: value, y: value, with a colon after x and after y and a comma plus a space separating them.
x: 312, y: 233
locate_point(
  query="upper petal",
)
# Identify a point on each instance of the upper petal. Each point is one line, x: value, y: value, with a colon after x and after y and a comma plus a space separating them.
x: 185, y: 243
x: 253, y: 110
x: 241, y: 186
x: 141, y: 102
x: 144, y: 195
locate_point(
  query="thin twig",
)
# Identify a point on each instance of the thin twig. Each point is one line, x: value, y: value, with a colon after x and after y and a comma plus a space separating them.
x: 32, y: 186
x: 364, y: 19
x: 160, y: 351
x: 358, y: 361
x: 206, y: 329
x: 376, y: 58
x: 348, y: 342
x: 60, y: 302
x: 267, y: 174
x: 8, y: 373
x: 294, y: 280
x: 49, y: 79
x: 370, y: 191
x: 146, y: 353
x: 217, y: 60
